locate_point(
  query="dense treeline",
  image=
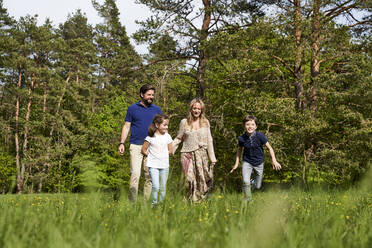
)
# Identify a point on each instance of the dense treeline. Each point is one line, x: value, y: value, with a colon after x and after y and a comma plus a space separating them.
x: 302, y: 67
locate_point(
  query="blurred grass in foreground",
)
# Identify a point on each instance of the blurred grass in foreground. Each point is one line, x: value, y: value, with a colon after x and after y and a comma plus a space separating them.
x: 276, y: 218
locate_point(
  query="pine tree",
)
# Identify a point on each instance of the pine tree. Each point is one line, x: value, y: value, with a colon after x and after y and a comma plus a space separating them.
x: 193, y: 23
x: 71, y: 98
x: 117, y: 57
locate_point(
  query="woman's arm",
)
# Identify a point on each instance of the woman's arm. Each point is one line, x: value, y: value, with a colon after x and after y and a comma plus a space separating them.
x: 145, y: 147
x: 276, y: 165
x: 179, y: 137
x: 175, y: 144
x: 210, y: 148
x: 237, y: 157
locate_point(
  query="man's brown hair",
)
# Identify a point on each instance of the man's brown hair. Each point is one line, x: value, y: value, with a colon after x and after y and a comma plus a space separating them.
x: 145, y: 88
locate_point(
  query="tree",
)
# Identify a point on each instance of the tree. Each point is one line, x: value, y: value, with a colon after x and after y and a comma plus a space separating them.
x: 256, y: 73
x: 193, y: 23
x: 72, y: 98
x: 7, y: 169
x: 117, y: 57
x: 25, y: 68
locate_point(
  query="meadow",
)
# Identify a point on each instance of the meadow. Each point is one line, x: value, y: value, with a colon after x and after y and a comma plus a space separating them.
x: 276, y: 218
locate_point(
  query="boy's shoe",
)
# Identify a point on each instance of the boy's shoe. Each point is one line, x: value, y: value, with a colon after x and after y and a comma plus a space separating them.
x: 253, y: 184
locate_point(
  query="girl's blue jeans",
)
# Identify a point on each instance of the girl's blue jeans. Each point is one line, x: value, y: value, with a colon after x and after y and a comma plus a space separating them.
x: 159, y: 179
x: 247, y: 172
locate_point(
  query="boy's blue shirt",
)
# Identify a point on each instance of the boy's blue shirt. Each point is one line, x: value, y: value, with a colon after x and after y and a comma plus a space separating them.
x: 253, y: 147
x: 140, y: 118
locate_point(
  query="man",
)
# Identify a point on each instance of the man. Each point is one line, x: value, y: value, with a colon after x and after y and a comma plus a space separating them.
x: 138, y: 119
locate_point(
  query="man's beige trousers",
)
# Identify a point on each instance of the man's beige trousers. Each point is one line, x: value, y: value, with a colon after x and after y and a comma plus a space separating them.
x: 136, y: 160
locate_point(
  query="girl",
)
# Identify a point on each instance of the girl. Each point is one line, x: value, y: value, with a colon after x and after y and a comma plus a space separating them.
x: 195, y: 133
x: 157, y: 147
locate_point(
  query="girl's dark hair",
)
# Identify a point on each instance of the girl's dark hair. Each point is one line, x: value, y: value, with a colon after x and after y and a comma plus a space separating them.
x: 158, y: 119
x: 250, y: 118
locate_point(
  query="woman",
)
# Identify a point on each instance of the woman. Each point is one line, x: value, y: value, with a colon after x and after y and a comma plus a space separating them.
x: 195, y: 133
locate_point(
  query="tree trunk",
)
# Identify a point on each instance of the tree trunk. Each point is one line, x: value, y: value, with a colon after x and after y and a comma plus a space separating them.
x: 26, y: 130
x: 200, y: 81
x: 20, y: 171
x: 59, y: 105
x: 304, y: 171
x: 27, y: 119
x: 203, y: 58
x: 315, y: 53
x: 161, y: 85
x: 45, y: 164
x: 298, y: 57
x: 2, y: 94
x: 8, y: 136
x: 40, y: 186
x: 45, y: 102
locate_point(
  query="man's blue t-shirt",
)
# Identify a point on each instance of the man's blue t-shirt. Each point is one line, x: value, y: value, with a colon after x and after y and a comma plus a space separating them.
x: 140, y: 118
x: 253, y: 150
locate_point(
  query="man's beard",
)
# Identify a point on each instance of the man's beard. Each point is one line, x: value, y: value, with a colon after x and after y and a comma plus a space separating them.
x: 147, y: 102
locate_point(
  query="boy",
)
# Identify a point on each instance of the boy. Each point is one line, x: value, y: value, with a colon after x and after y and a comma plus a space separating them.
x: 253, y: 155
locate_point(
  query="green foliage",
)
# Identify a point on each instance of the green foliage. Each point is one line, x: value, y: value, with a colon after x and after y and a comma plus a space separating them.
x: 116, y: 56
x: 99, y: 173
x: 313, y: 146
x: 64, y: 92
x: 164, y: 47
x: 103, y: 164
x: 277, y: 218
x: 7, y: 171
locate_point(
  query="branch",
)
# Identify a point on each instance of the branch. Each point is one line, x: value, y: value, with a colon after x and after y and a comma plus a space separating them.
x: 339, y: 10
x: 222, y: 64
x: 360, y: 23
x: 284, y: 63
x: 185, y: 74
x: 190, y: 22
x: 162, y: 60
x: 331, y: 11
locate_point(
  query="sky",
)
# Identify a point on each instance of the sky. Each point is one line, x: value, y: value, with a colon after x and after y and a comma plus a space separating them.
x: 58, y: 10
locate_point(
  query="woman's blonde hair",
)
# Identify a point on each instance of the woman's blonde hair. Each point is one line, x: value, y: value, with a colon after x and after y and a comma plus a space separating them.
x: 202, y: 119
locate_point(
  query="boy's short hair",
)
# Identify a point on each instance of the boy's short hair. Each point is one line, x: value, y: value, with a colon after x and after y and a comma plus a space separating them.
x: 250, y: 118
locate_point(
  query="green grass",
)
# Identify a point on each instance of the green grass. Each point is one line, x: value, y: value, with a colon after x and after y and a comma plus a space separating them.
x: 276, y: 218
